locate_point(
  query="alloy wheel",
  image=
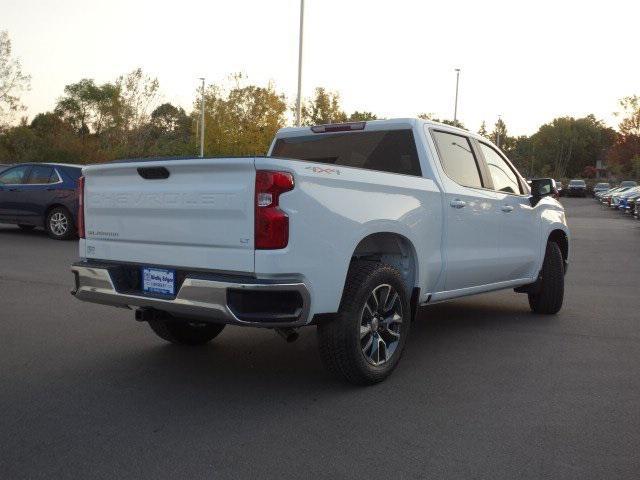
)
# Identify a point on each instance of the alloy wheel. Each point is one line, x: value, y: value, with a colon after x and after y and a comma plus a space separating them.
x: 59, y: 224
x: 380, y: 324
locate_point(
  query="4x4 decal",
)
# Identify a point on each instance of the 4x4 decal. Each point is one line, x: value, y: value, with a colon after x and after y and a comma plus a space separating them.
x: 330, y: 171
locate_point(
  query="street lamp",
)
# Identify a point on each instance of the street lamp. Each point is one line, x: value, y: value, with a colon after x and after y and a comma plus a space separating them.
x: 455, y: 109
x: 299, y: 100
x: 498, y: 131
x: 202, y: 121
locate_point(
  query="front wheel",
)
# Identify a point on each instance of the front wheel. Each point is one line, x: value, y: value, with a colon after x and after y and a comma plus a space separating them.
x: 549, y: 295
x: 363, y: 343
x: 183, y: 332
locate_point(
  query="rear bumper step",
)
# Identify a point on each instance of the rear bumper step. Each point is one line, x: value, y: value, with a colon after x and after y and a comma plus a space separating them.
x: 255, y: 304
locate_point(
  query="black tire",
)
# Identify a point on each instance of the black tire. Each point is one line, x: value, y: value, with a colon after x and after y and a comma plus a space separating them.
x: 548, y: 297
x: 340, y: 338
x: 59, y: 224
x: 184, y: 332
x: 26, y: 228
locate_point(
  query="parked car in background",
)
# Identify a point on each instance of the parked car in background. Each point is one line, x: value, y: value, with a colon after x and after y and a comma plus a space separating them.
x: 577, y: 188
x: 559, y: 188
x: 41, y: 195
x: 618, y: 197
x: 630, y: 203
x: 629, y: 183
x: 601, y: 187
x: 619, y: 200
x: 605, y: 198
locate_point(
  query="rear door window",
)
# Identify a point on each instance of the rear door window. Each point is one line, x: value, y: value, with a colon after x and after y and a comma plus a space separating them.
x: 41, y: 175
x: 457, y: 158
x: 391, y: 151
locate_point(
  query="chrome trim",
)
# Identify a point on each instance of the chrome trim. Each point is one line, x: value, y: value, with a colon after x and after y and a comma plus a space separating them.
x: 197, y: 298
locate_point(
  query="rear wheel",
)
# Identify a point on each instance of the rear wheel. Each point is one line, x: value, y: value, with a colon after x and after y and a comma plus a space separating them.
x: 363, y: 343
x: 26, y: 228
x: 549, y: 295
x: 182, y: 332
x: 59, y: 224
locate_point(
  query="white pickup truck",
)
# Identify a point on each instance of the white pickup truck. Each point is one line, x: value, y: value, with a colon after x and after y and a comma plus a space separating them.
x: 349, y: 227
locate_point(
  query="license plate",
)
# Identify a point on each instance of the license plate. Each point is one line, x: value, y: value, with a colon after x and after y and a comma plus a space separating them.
x: 159, y: 280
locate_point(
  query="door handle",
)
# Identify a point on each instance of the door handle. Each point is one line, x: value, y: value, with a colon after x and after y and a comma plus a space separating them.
x: 457, y: 203
x: 507, y: 208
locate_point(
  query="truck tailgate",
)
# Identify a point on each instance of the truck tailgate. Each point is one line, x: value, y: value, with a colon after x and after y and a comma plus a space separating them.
x: 200, y: 216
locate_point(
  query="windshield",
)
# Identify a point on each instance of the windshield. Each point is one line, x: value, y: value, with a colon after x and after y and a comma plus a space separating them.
x: 602, y: 185
x: 628, y: 183
x: 577, y: 183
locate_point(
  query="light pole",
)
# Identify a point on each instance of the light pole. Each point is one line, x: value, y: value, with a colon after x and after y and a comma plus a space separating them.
x: 202, y: 121
x: 455, y: 108
x: 299, y: 100
x: 498, y: 131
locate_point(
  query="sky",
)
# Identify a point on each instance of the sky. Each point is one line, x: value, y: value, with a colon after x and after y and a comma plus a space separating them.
x: 528, y: 61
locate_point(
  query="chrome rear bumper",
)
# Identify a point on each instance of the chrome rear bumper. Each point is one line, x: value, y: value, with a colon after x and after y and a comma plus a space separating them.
x: 197, y: 298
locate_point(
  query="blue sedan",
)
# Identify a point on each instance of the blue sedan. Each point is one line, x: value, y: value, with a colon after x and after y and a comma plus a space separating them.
x: 41, y: 195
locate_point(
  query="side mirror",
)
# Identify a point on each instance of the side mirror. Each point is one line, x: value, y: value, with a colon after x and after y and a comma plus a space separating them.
x: 542, y: 187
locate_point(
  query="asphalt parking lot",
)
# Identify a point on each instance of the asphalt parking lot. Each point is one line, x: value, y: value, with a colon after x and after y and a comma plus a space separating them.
x: 486, y: 389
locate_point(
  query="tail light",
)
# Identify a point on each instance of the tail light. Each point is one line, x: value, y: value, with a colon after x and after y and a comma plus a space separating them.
x: 81, y: 207
x: 271, y: 223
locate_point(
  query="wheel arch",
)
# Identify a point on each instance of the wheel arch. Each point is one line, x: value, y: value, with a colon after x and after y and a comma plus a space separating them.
x: 560, y: 237
x: 394, y: 249
x: 47, y: 210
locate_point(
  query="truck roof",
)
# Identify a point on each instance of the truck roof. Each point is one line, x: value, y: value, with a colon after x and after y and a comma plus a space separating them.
x: 372, y: 125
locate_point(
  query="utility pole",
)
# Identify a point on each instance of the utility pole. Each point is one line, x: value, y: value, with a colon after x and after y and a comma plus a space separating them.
x: 202, y: 121
x: 498, y: 131
x: 455, y: 108
x: 299, y: 100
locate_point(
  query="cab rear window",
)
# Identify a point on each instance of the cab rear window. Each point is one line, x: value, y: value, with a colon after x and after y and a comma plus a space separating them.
x: 392, y: 151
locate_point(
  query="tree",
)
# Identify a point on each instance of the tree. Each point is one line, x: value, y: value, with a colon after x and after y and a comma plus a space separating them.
x: 568, y: 144
x: 168, y: 118
x: 362, y: 116
x: 500, y: 137
x: 323, y: 108
x: 482, y: 131
x: 12, y: 81
x: 137, y: 94
x: 630, y: 123
x: 589, y: 171
x: 620, y: 157
x: 635, y: 165
x: 431, y: 117
x: 241, y: 120
x: 90, y: 108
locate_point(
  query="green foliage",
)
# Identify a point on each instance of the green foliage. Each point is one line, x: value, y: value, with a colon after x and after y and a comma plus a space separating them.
x: 482, y: 131
x: 12, y: 81
x: 568, y: 144
x: 630, y: 123
x: 241, y: 120
x: 123, y: 119
x: 323, y: 108
x: 362, y: 116
x: 431, y: 117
